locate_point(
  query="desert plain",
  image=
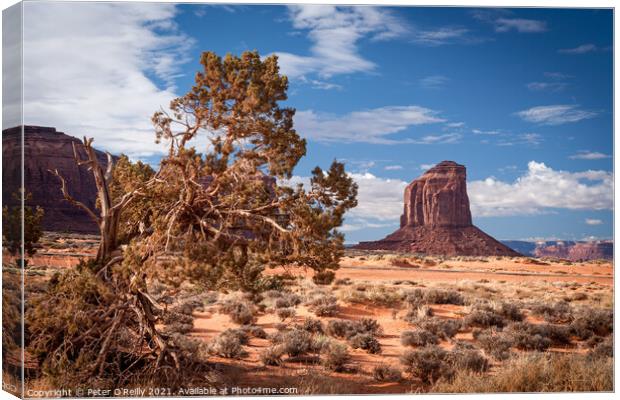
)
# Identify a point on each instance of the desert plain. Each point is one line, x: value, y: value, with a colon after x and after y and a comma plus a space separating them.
x: 487, y: 324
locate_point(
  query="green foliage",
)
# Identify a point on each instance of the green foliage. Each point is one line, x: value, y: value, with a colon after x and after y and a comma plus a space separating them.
x: 12, y: 222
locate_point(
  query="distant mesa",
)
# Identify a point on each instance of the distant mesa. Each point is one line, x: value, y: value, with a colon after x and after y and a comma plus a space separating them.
x: 47, y: 149
x: 566, y: 249
x: 437, y: 218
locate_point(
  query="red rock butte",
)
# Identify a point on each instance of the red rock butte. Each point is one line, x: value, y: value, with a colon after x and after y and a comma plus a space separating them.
x: 437, y: 219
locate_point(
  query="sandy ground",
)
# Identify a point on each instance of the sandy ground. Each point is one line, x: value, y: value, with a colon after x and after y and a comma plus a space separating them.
x: 520, y: 277
x: 209, y: 324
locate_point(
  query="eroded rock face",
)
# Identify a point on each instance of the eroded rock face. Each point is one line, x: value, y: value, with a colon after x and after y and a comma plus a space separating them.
x: 437, y: 219
x: 577, y: 251
x: 438, y: 198
x: 45, y: 149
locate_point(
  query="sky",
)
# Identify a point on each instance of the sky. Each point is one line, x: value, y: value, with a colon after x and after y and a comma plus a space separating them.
x: 521, y: 97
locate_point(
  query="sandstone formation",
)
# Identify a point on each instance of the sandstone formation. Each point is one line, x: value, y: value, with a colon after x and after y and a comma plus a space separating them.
x: 45, y: 149
x: 577, y: 251
x: 437, y: 219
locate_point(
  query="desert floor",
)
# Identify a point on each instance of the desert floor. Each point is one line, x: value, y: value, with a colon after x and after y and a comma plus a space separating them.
x: 369, y: 285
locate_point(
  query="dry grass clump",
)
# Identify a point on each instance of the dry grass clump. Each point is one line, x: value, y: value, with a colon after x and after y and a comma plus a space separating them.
x: 229, y: 344
x: 403, y: 263
x: 591, y: 321
x: 603, y: 349
x: 343, y: 328
x: 323, y: 305
x: 386, y: 373
x: 287, y: 300
x: 366, y: 341
x: 240, y: 311
x: 536, y: 372
x: 444, y: 328
x: 335, y: 356
x: 272, y: 355
x: 379, y: 295
x: 285, y: 313
x: 419, y: 338
x: 311, y: 325
x: 484, y: 319
x: 418, y: 297
x: 559, y: 312
x: 296, y: 342
x: 324, y: 277
x: 432, y: 363
x: 493, y: 343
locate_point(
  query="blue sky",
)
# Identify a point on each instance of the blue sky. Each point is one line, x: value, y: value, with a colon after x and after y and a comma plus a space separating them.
x: 521, y: 97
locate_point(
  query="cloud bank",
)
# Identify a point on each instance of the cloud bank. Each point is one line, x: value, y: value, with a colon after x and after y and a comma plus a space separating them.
x: 113, y: 65
x: 370, y: 126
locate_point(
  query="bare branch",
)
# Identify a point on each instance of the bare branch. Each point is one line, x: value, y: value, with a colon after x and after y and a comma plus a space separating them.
x: 108, y: 171
x: 69, y: 198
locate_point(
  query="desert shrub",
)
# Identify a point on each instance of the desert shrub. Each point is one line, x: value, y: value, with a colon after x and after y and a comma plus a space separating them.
x: 339, y: 328
x: 559, y: 312
x: 365, y: 341
x: 240, y: 312
x: 272, y: 355
x: 228, y: 344
x: 386, y: 373
x: 444, y: 328
x: 285, y: 313
x: 603, y: 349
x: 335, y: 356
x: 418, y: 338
x: 379, y: 295
x: 296, y: 342
x: 510, y: 311
x: 319, y: 343
x: 324, y: 277
x: 439, y: 296
x: 468, y: 359
x: 311, y: 325
x: 524, y: 338
x: 257, y: 332
x: 427, y: 364
x: 484, y: 319
x: 418, y: 297
x: 588, y: 322
x: 323, y: 306
x: 343, y: 281
x: 368, y: 325
x: 494, y: 344
x: 343, y: 328
x: 536, y: 372
x: 288, y: 300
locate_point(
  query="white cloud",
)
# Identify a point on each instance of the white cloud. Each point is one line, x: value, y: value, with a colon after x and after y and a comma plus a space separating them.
x: 533, y: 139
x: 555, y: 114
x: 393, y: 167
x: 433, y: 81
x: 439, y: 36
x: 425, y: 167
x: 520, y: 25
x: 380, y: 200
x: 589, y: 155
x: 557, y: 75
x: 542, y: 189
x: 582, y: 49
x: 547, y: 86
x: 455, y: 124
x: 370, y: 126
x: 335, y: 32
x: 481, y: 132
x: 102, y: 70
x: 592, y: 221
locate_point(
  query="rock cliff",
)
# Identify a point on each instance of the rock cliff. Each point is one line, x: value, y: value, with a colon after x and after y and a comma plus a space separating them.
x: 45, y: 149
x: 437, y: 219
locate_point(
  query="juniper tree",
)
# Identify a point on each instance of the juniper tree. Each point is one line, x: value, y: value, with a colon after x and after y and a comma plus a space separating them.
x: 217, y: 212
